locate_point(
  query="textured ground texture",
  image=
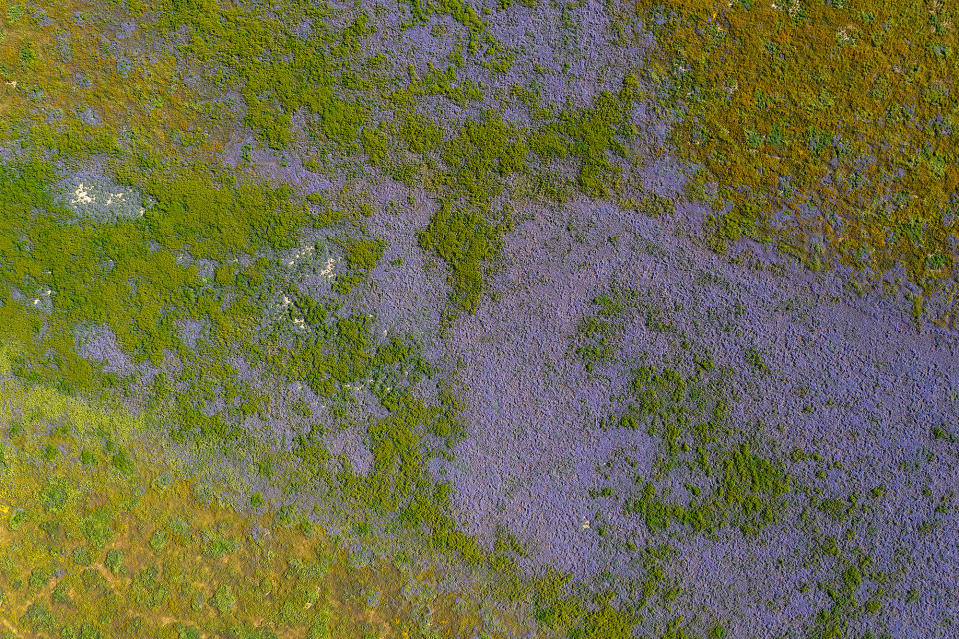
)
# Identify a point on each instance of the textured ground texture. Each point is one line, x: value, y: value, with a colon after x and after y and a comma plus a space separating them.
x: 527, y: 318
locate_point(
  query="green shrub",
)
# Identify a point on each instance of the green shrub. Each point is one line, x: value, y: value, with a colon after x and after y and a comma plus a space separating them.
x: 464, y: 240
x: 363, y: 253
x: 223, y: 599
x: 114, y: 561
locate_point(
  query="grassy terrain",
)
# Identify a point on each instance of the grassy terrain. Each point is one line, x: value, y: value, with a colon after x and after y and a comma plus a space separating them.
x: 827, y: 127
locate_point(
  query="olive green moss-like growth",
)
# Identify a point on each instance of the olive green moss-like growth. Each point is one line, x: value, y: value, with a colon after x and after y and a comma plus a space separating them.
x: 361, y: 254
x: 597, y: 139
x: 89, y: 551
x: 828, y: 127
x: 585, y: 619
x: 479, y: 159
x: 419, y: 133
x: 135, y: 277
x: 278, y: 72
x: 481, y: 155
x: 483, y: 158
x: 480, y: 42
x: 129, y: 275
x: 464, y: 239
x: 599, y: 132
x: 728, y: 484
x: 435, y: 82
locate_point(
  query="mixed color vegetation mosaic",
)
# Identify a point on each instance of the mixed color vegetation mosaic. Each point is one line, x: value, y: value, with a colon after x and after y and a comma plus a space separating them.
x: 426, y: 319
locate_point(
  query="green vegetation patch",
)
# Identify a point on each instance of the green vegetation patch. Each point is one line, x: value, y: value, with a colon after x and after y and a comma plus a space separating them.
x: 464, y: 239
x: 726, y: 483
x: 202, y: 572
x: 823, y: 125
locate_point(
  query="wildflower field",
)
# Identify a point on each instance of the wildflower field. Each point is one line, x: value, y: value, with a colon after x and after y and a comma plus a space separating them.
x: 426, y: 319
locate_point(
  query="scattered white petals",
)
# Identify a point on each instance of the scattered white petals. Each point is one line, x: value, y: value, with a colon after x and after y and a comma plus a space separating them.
x: 327, y: 271
x: 82, y: 196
